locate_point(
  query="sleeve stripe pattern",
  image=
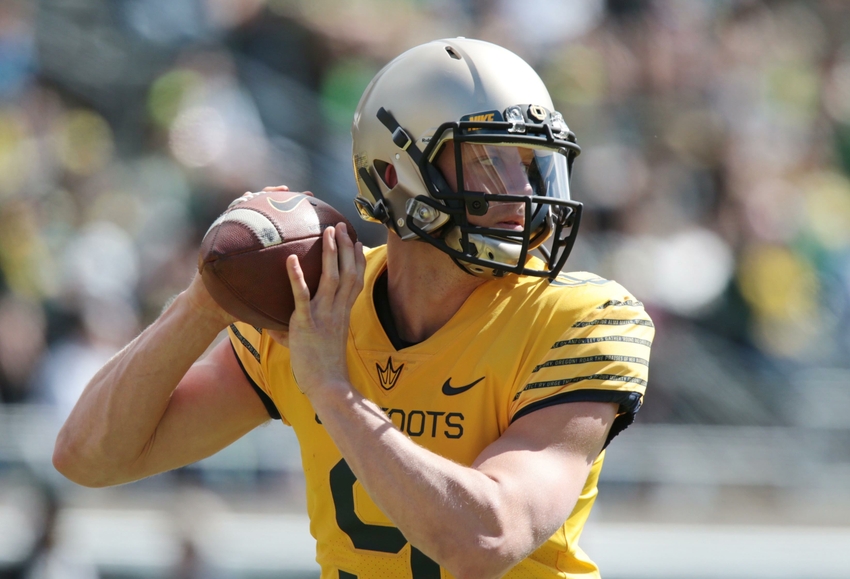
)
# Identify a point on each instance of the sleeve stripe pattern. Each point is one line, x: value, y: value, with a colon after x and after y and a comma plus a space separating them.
x: 564, y: 382
x: 610, y: 303
x: 248, y: 346
x: 613, y: 322
x: 602, y: 355
x: 576, y: 341
x: 586, y: 359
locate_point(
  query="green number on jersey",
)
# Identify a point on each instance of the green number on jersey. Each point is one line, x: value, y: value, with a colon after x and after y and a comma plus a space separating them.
x: 372, y: 537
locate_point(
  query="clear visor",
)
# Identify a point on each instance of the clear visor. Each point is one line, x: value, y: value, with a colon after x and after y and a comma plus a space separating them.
x: 508, y: 169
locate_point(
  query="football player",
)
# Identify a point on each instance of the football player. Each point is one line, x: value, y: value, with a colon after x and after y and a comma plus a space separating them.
x: 452, y: 391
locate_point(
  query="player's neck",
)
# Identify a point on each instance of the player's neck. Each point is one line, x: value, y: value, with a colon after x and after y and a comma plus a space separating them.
x: 425, y: 288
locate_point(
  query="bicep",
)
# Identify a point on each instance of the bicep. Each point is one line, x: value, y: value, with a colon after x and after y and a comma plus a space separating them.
x: 543, y: 459
x: 213, y: 406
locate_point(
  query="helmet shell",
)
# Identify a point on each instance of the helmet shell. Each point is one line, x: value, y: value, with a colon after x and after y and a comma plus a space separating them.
x: 423, y: 88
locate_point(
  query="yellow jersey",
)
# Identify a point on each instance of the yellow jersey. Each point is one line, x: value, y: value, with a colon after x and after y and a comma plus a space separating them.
x: 516, y: 345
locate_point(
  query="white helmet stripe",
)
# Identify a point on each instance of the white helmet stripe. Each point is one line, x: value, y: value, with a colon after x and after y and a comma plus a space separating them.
x: 259, y: 224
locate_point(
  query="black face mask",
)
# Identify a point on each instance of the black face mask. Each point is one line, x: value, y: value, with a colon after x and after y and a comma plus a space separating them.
x: 498, y: 166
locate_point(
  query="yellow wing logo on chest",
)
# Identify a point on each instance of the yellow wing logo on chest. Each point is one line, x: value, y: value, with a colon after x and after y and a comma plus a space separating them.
x: 388, y: 376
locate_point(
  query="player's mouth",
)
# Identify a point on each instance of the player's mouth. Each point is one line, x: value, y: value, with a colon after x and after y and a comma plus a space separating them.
x: 511, y: 224
x: 506, y: 216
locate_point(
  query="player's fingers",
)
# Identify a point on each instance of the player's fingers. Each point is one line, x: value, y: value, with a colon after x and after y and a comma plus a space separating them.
x: 300, y: 291
x: 200, y: 296
x: 329, y: 281
x: 244, y: 197
x: 285, y: 188
x: 347, y: 262
x: 360, y: 272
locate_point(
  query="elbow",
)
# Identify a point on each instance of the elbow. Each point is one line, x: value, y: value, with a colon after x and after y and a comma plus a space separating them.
x: 489, y: 553
x: 67, y: 463
x: 489, y: 559
x: 70, y: 462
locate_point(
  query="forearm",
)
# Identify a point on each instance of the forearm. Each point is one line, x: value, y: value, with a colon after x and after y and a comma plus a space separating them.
x: 116, y: 417
x: 455, y: 514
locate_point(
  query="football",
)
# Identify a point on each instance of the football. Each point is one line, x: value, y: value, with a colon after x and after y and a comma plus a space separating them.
x: 242, y: 259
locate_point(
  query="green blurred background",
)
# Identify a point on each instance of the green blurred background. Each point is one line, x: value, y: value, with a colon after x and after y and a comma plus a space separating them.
x: 716, y: 178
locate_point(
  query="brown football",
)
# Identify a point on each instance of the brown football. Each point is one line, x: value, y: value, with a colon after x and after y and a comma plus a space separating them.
x: 242, y: 259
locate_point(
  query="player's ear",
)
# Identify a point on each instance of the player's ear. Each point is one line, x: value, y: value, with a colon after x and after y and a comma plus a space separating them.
x: 390, y: 177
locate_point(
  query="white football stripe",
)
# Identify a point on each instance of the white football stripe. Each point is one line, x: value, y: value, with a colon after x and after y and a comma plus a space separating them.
x: 258, y: 223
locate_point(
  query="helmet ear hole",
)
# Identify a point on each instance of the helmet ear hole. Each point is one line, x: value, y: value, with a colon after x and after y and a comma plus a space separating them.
x: 390, y: 177
x: 386, y: 172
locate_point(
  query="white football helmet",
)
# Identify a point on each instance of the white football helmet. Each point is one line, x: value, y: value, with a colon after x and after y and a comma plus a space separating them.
x: 481, y: 157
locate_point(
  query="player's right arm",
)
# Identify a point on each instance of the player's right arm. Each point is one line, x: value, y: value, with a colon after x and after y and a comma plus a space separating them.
x: 154, y: 407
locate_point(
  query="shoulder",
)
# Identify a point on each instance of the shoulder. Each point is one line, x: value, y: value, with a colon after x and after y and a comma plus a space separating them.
x: 577, y: 295
x: 592, y: 344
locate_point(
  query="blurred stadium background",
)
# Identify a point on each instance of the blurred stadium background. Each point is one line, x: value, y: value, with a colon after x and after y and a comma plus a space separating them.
x: 715, y: 171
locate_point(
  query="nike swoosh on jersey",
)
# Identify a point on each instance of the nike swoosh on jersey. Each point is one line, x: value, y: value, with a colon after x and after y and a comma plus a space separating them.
x: 288, y: 205
x: 450, y: 390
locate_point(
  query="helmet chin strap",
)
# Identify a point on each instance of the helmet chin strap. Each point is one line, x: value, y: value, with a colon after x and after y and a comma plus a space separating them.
x: 462, y: 266
x: 400, y: 137
x: 478, y: 270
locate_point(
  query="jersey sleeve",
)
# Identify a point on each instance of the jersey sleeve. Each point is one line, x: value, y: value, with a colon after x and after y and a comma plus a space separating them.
x: 601, y: 357
x: 246, y: 341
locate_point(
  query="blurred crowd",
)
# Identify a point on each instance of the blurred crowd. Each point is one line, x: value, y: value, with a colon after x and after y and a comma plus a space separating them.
x: 716, y: 139
x: 715, y: 173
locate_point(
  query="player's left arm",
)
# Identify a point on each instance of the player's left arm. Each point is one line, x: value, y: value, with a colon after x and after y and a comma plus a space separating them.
x: 540, y: 466
x: 478, y: 521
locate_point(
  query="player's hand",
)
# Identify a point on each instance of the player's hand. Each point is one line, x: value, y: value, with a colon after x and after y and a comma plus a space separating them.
x: 204, y: 304
x: 318, y: 329
x: 285, y: 188
x: 276, y: 188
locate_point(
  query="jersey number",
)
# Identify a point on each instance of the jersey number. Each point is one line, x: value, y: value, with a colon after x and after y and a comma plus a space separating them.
x: 372, y: 537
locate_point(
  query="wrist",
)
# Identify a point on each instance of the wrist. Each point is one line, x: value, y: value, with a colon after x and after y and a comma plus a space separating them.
x: 322, y: 389
x: 341, y: 407
x: 202, y: 307
x: 192, y: 316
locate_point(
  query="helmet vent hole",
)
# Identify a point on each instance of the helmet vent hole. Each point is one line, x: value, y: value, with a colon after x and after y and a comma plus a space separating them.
x: 453, y: 53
